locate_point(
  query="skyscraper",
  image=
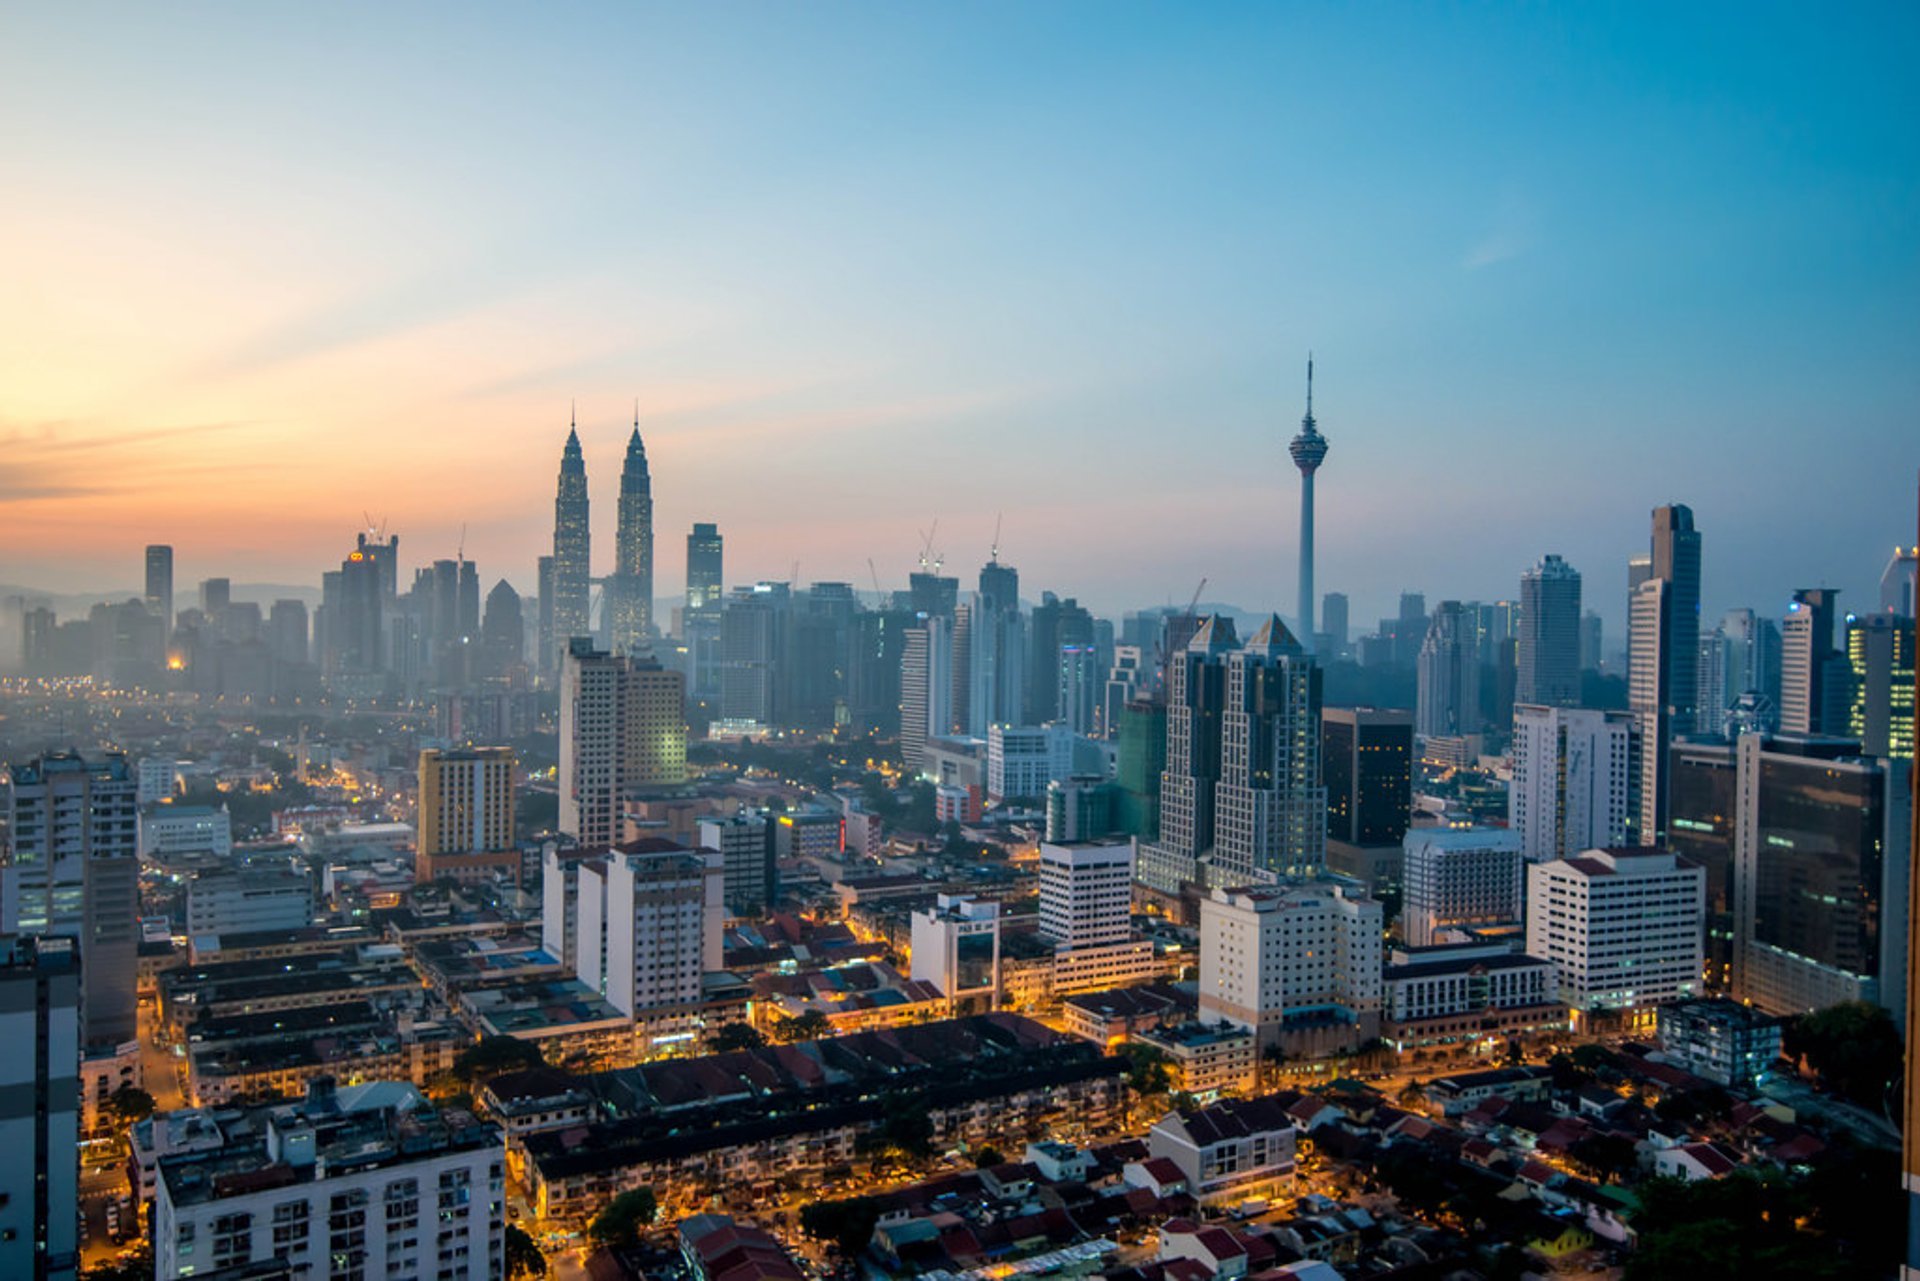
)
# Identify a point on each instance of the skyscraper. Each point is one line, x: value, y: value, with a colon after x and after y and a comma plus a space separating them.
x: 160, y: 584
x: 1196, y: 697
x: 1548, y: 672
x: 1663, y: 652
x: 631, y: 589
x: 1333, y: 620
x: 705, y: 580
x: 39, y: 1108
x: 1270, y: 805
x: 74, y: 871
x: 1813, y: 674
x: 622, y: 729
x: 1880, y: 652
x: 572, y: 585
x: 1366, y: 758
x: 543, y: 662
x: 1448, y: 687
x: 1897, y: 580
x: 503, y: 631
x: 1576, y: 780
x: 926, y: 687
x: 1819, y: 909
x: 1309, y: 450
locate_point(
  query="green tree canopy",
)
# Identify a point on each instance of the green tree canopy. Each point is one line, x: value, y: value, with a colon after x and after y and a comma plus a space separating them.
x: 620, y: 1222
x: 495, y: 1056
x: 738, y: 1036
x: 1854, y: 1047
x: 129, y: 1104
x: 848, y: 1224
x: 810, y: 1026
x: 523, y: 1257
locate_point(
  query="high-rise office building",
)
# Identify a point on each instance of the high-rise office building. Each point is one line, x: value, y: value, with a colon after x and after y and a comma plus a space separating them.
x: 1081, y: 684
x: 1293, y: 960
x: 1548, y: 669
x: 753, y: 652
x: 1813, y: 674
x: 1621, y: 927
x: 75, y: 872
x: 572, y: 559
x: 1819, y: 883
x: 215, y: 595
x: 630, y: 590
x: 1139, y: 762
x: 1196, y: 701
x: 1880, y: 654
x: 465, y: 828
x: 622, y: 730
x: 706, y: 578
x: 159, y: 597
x: 1897, y: 582
x: 545, y: 660
x: 1663, y: 652
x: 1309, y: 450
x: 745, y: 844
x: 503, y: 631
x: 926, y: 688
x: 1700, y: 821
x: 1366, y: 758
x: 1000, y: 585
x: 287, y: 631
x: 1052, y: 624
x: 1086, y: 892
x: 1576, y: 778
x: 1460, y: 878
x: 39, y: 1108
x: 1269, y: 803
x: 1592, y: 640
x: 1333, y: 620
x: 358, y: 617
x: 1448, y: 678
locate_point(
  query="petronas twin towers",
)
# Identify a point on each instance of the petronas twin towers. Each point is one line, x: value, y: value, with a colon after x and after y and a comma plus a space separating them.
x: 627, y: 605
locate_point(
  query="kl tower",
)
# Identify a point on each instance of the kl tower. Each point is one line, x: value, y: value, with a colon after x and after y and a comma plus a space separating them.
x: 1309, y: 450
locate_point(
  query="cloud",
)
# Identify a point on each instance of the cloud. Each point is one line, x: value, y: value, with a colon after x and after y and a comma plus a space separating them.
x: 1510, y: 236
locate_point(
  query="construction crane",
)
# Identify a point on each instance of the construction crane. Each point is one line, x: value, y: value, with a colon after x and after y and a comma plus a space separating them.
x: 460, y: 553
x: 930, y: 560
x: 993, y: 551
x: 1195, y: 602
x: 879, y: 595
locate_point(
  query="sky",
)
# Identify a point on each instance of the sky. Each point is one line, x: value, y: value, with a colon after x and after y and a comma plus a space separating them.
x: 267, y: 272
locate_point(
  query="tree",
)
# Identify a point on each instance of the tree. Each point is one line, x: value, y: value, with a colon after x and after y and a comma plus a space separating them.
x: 1609, y: 1155
x: 129, y: 1104
x: 738, y: 1036
x: 1413, y: 1093
x: 1744, y: 1225
x: 1146, y: 1070
x: 988, y: 1157
x: 620, y: 1222
x: 906, y: 1129
x: 136, y: 1267
x: 495, y: 1056
x: 848, y: 1224
x: 810, y: 1026
x: 1855, y: 1048
x: 523, y: 1256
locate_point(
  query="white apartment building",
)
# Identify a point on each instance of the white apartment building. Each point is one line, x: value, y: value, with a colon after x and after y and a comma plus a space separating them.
x: 1623, y: 928
x: 1458, y: 877
x: 1086, y: 892
x: 1023, y: 759
x: 168, y: 832
x: 1298, y: 962
x: 1576, y: 782
x: 363, y: 1182
x: 650, y: 922
x: 158, y: 778
x: 745, y: 844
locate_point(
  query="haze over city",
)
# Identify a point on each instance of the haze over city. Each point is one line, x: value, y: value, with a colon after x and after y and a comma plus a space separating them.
x: 867, y: 267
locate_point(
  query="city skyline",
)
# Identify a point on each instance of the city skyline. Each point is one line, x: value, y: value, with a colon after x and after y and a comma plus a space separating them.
x: 1647, y: 262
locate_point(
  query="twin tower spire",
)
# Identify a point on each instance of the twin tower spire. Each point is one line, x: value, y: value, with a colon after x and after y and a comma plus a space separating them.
x: 625, y: 616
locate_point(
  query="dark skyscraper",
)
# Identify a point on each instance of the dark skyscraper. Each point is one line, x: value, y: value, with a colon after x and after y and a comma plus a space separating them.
x: 543, y: 662
x: 572, y: 584
x: 705, y: 576
x: 999, y: 585
x: 1333, y: 619
x: 160, y: 584
x: 1549, y: 654
x: 1366, y: 755
x: 1663, y: 653
x: 503, y: 631
x: 1309, y: 450
x: 630, y: 592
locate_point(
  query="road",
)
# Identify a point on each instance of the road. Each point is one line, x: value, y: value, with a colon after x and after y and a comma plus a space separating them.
x: 160, y: 1069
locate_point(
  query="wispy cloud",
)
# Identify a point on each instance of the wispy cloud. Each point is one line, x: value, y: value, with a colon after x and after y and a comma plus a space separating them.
x: 1511, y: 235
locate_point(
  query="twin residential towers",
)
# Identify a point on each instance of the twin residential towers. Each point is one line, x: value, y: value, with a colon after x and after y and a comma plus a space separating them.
x: 566, y: 579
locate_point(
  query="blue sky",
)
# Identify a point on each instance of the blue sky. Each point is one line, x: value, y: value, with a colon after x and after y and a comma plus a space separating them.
x: 865, y: 265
